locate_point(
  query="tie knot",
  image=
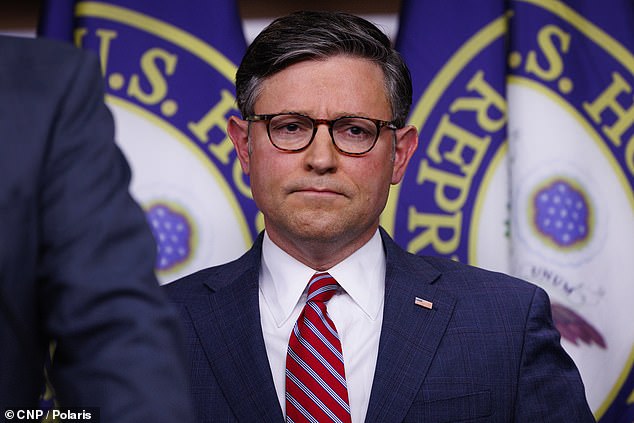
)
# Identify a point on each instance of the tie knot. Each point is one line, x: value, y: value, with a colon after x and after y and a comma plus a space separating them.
x: 321, y: 287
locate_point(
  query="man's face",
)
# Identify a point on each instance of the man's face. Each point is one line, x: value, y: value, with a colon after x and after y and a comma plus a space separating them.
x: 319, y: 195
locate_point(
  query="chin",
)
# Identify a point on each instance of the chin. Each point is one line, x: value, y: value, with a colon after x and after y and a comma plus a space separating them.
x: 319, y: 230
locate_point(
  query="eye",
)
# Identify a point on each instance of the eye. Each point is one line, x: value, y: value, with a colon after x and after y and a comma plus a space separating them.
x: 355, y: 129
x: 290, y: 125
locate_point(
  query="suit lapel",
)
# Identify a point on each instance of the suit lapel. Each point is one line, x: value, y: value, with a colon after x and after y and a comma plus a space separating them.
x: 228, y: 324
x: 410, y: 334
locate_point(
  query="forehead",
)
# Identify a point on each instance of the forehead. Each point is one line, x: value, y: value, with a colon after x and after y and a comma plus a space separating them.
x: 326, y: 87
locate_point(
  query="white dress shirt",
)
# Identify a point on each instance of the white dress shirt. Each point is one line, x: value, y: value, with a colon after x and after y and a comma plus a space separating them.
x: 356, y: 310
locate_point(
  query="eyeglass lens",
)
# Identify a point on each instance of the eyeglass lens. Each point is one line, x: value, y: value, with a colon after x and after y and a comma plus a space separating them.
x: 350, y: 134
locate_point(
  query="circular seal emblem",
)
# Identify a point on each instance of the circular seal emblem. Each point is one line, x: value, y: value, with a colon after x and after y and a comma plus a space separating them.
x: 529, y: 169
x: 171, y: 94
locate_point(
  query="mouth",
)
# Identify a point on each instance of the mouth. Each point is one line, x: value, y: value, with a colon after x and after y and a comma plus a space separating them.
x: 318, y: 191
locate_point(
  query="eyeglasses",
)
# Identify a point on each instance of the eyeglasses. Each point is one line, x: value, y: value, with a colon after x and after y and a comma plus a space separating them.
x: 351, y: 135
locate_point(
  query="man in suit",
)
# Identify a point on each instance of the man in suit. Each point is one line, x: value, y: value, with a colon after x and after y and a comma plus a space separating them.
x: 389, y: 336
x: 76, y: 254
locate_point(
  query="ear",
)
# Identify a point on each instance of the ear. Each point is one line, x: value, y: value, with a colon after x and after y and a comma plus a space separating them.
x: 238, y: 131
x: 406, y: 143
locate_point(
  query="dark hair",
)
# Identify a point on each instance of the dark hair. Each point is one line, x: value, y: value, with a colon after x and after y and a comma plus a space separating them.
x: 305, y: 36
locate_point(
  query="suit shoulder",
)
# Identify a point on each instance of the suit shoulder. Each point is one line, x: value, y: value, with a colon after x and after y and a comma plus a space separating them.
x: 38, y: 49
x: 452, y: 275
x: 214, y: 277
x: 461, y: 273
x: 42, y: 57
x: 477, y: 289
x: 189, y: 284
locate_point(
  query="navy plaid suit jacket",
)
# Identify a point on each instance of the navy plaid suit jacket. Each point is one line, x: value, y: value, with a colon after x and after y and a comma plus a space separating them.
x: 487, y: 350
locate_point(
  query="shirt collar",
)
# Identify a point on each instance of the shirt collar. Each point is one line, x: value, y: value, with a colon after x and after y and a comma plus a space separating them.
x: 283, y: 279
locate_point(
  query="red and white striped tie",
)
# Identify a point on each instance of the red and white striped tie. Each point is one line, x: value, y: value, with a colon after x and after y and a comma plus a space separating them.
x: 316, y: 388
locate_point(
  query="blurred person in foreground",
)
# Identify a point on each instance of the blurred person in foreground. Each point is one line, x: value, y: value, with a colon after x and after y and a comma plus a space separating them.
x: 326, y: 318
x: 76, y: 254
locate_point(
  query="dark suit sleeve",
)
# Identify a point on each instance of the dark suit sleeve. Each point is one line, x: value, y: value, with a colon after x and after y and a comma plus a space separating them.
x: 118, y: 341
x: 550, y: 387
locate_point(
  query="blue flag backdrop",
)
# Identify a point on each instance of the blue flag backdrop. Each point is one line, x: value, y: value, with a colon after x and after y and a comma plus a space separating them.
x: 169, y: 70
x: 526, y: 164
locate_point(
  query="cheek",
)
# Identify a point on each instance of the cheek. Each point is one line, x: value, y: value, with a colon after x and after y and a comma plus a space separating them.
x: 261, y: 177
x: 373, y: 182
x: 268, y: 173
x: 375, y: 173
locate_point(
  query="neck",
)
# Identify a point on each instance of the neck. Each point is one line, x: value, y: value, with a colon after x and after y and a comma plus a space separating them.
x: 321, y: 254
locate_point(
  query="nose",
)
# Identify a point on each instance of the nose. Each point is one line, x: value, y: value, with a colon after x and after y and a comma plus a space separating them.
x: 321, y: 155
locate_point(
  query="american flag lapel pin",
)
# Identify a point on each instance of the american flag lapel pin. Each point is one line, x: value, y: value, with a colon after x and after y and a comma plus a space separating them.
x: 423, y: 303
